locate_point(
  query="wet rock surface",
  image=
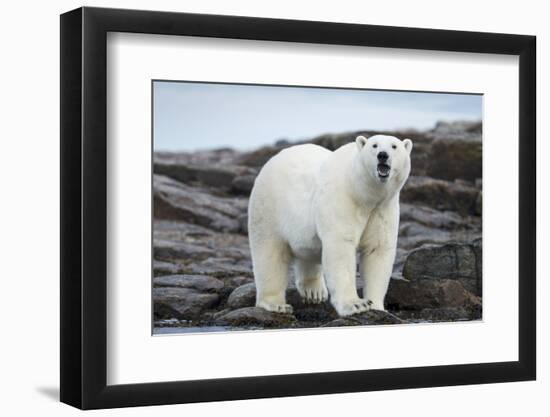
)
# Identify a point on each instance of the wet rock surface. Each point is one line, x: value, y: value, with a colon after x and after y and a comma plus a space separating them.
x: 202, y: 271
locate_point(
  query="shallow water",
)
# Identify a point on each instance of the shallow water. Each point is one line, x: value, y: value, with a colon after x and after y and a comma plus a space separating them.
x: 208, y: 329
x: 214, y: 329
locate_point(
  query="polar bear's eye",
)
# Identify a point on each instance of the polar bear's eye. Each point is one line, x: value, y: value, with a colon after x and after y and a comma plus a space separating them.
x: 375, y: 146
x: 394, y: 146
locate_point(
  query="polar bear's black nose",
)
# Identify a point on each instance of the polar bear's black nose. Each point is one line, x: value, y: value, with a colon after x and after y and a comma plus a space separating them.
x: 383, y: 156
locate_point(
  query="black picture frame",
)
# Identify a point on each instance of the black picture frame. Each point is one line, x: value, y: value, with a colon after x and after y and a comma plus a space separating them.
x: 84, y: 207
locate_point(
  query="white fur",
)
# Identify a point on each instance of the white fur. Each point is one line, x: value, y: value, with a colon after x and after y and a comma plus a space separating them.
x: 316, y: 209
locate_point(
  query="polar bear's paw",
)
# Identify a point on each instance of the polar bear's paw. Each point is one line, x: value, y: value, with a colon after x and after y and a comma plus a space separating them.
x: 376, y: 305
x: 276, y: 308
x: 350, y: 307
x: 313, y: 292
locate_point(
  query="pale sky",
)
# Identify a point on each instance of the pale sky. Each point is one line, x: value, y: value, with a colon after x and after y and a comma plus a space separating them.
x: 192, y: 116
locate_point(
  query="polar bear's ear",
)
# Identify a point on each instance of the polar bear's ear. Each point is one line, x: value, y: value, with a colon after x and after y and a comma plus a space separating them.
x: 361, y: 141
x: 408, y: 145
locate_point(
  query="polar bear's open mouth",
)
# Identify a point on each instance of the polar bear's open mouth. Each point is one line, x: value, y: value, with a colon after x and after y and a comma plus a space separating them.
x: 383, y: 170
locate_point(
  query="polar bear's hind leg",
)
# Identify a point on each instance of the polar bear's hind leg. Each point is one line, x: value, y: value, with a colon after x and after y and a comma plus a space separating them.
x: 309, y: 281
x: 271, y: 261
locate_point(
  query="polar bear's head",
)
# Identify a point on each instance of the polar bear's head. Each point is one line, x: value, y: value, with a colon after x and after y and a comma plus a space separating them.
x: 385, y: 157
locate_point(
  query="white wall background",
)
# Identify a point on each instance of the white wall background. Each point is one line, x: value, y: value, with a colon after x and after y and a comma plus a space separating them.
x: 29, y: 238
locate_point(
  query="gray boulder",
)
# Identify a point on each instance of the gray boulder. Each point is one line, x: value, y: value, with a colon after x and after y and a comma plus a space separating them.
x: 454, y: 261
x: 181, y: 303
x: 429, y: 293
x: 255, y: 316
x: 243, y: 296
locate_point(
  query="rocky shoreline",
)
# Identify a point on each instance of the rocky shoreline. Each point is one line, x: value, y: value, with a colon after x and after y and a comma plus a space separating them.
x: 202, y: 269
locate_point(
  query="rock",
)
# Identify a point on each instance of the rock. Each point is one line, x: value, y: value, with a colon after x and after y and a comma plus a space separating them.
x: 177, y: 201
x: 282, y: 142
x: 429, y: 293
x: 333, y: 142
x: 189, y: 171
x: 443, y: 314
x: 164, y: 268
x: 430, y: 217
x: 457, y: 158
x: 367, y: 318
x: 243, y: 222
x: 255, y: 316
x: 217, y: 268
x: 400, y: 257
x: 440, y: 194
x: 378, y: 317
x: 479, y: 183
x: 413, y: 235
x: 342, y: 322
x: 181, y: 303
x: 409, y: 229
x: 479, y: 205
x: 243, y: 184
x: 457, y: 130
x: 450, y: 261
x: 168, y: 323
x: 180, y: 231
x: 217, y: 177
x: 237, y: 281
x: 215, y: 157
x: 433, y: 238
x: 476, y: 286
x: 194, y: 250
x: 165, y: 249
x: 243, y: 296
x: 441, y: 261
x: 220, y: 313
x: 259, y: 157
x: 178, y: 172
x: 311, y: 315
x: 203, y: 283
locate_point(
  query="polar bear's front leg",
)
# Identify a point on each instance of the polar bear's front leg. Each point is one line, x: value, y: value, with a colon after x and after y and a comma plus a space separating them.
x: 339, y: 268
x: 376, y: 268
x: 309, y: 281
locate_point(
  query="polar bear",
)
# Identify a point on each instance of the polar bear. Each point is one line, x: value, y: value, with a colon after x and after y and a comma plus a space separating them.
x: 316, y: 210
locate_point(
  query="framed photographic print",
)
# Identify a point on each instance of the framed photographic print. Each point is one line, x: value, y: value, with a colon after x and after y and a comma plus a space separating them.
x: 257, y: 207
